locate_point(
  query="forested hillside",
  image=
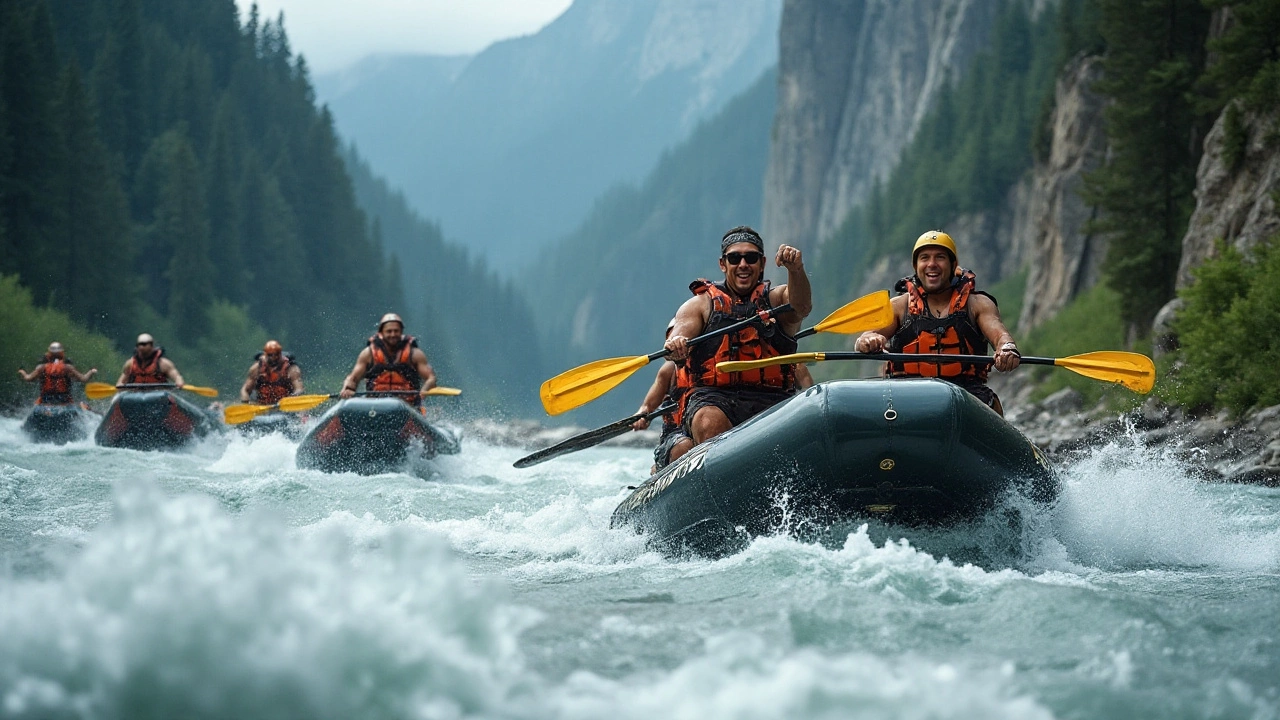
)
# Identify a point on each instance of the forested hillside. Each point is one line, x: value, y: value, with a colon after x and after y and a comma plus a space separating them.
x: 611, y: 286
x: 164, y: 168
x: 480, y: 326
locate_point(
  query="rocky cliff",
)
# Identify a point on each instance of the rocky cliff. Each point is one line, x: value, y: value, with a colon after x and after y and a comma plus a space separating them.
x: 855, y: 79
x: 1040, y: 225
x: 1235, y: 196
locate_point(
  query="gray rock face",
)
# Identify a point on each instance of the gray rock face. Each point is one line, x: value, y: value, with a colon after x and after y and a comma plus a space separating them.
x: 1233, y: 203
x: 855, y: 79
x: 1064, y: 260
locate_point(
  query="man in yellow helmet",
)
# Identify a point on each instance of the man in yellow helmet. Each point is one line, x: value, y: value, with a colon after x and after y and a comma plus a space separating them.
x: 939, y: 311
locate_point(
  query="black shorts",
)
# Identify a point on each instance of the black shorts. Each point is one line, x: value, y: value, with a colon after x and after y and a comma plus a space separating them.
x: 985, y: 394
x: 666, y: 443
x: 739, y: 404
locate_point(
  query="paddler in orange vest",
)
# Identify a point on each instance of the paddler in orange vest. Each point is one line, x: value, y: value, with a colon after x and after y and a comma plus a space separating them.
x: 940, y: 311
x: 274, y: 375
x: 719, y: 401
x: 149, y: 366
x: 55, y: 374
x: 392, y: 363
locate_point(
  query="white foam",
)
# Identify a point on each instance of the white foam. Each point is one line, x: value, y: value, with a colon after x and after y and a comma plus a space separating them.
x: 1129, y: 506
x: 742, y: 676
x: 175, y: 607
x: 248, y: 455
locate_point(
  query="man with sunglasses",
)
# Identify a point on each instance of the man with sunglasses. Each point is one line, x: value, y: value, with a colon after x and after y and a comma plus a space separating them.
x: 720, y: 401
x: 148, y: 366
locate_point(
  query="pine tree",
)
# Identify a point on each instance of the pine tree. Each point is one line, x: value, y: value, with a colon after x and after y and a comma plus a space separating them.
x: 96, y: 284
x: 182, y: 222
x: 1155, y: 50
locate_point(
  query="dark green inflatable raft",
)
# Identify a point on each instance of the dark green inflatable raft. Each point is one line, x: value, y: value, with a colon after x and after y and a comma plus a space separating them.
x: 152, y: 420
x: 59, y: 424
x: 915, y: 452
x: 371, y: 435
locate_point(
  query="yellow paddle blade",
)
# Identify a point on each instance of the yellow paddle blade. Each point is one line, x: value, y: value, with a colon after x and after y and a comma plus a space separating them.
x: 585, y: 383
x: 740, y: 365
x: 444, y: 391
x: 98, y: 390
x: 869, y: 312
x: 201, y: 391
x: 1132, y: 370
x: 298, y: 403
x: 240, y: 414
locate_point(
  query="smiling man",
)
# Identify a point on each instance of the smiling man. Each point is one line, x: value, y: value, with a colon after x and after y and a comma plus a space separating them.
x: 720, y: 401
x: 940, y: 311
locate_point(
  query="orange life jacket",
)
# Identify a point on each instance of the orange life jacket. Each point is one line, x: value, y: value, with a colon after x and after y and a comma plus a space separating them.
x: 273, y: 382
x: 385, y: 373
x: 680, y: 387
x: 955, y: 334
x: 146, y: 372
x: 55, y: 382
x: 754, y: 342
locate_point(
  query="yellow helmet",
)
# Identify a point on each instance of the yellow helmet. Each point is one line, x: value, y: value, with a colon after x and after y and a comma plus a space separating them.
x: 935, y: 238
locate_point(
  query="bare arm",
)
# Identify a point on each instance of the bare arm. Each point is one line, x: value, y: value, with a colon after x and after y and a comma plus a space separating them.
x: 171, y: 371
x: 295, y: 376
x: 804, y: 380
x: 353, y: 380
x: 82, y: 377
x: 878, y: 340
x: 29, y: 376
x: 425, y: 371
x: 691, y: 318
x: 250, y: 383
x: 124, y: 374
x: 987, y: 315
x: 796, y: 291
x: 657, y: 392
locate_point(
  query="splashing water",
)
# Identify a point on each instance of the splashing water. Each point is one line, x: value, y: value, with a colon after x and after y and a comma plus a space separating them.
x: 227, y: 583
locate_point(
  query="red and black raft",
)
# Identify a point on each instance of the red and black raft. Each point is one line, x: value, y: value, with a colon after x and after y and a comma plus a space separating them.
x: 152, y: 419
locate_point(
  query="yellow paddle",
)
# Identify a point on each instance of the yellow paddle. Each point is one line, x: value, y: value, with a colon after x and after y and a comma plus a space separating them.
x: 98, y: 390
x: 581, y: 385
x: 240, y: 414
x: 1131, y: 370
x: 298, y: 403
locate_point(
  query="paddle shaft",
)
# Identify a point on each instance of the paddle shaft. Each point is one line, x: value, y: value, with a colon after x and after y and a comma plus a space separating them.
x: 929, y: 358
x: 758, y: 317
x: 590, y: 438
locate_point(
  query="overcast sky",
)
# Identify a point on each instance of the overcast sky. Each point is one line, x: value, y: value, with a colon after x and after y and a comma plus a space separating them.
x: 335, y: 33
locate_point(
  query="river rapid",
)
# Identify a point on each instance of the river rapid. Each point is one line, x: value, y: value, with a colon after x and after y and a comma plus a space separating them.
x: 223, y: 582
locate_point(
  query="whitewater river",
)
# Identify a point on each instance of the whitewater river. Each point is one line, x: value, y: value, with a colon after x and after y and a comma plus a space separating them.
x: 226, y: 583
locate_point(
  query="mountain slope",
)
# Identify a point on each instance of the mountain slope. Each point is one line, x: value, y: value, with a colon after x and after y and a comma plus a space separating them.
x: 512, y: 154
x: 610, y: 287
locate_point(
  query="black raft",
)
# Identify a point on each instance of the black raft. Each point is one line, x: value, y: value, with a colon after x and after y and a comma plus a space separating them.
x: 152, y: 420
x: 59, y: 424
x: 371, y: 435
x: 914, y: 452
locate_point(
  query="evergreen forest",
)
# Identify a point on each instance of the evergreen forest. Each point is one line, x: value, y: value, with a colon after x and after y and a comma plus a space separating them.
x: 164, y: 168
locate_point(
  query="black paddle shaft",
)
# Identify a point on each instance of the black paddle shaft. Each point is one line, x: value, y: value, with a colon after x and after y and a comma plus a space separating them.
x: 931, y: 358
x: 590, y: 438
x: 758, y: 317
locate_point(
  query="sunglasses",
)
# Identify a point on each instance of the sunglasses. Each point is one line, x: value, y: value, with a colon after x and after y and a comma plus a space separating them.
x: 752, y: 257
x: 144, y: 344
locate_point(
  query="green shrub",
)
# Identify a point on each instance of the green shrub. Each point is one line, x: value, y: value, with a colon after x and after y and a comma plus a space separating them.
x: 1229, y: 347
x: 27, y: 330
x: 1090, y: 322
